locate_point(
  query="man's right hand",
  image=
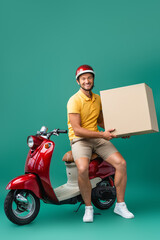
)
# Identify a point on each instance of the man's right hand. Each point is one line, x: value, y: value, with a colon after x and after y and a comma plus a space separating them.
x: 108, y: 134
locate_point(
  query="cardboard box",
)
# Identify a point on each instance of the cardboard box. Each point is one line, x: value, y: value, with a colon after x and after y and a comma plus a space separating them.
x: 130, y: 110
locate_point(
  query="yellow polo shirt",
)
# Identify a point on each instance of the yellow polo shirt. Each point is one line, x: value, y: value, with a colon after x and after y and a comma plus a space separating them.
x: 88, y: 108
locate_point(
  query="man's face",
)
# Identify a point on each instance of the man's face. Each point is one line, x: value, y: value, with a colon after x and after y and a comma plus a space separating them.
x: 86, y: 81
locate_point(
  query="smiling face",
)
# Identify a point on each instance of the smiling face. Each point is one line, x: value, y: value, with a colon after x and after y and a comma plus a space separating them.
x: 86, y: 81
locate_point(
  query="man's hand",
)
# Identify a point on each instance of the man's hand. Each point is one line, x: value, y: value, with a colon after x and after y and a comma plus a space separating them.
x: 108, y: 134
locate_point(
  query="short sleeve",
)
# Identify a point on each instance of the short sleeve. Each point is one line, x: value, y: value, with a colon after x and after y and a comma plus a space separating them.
x: 73, y: 106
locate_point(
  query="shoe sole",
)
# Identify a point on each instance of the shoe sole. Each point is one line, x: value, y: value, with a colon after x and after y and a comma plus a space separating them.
x: 122, y: 215
x: 87, y: 221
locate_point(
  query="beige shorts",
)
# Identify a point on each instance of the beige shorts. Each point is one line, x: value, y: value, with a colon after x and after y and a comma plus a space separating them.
x: 83, y: 147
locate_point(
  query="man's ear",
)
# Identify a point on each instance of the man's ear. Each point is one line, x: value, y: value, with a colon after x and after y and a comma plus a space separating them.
x: 77, y: 82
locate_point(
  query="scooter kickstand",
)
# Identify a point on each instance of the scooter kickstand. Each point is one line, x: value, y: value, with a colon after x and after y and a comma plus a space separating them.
x: 79, y: 207
x: 97, y: 213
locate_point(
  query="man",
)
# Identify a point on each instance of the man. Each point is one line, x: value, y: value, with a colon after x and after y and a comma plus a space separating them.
x: 84, y: 114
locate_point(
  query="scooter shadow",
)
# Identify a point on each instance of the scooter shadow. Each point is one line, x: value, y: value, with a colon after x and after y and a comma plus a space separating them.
x: 65, y: 214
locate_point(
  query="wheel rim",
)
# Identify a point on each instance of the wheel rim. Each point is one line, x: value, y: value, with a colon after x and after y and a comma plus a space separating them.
x: 104, y: 202
x: 24, y: 210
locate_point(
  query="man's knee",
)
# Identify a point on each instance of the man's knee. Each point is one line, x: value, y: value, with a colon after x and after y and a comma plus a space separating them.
x: 83, y: 171
x: 121, y: 164
x: 117, y: 161
x: 82, y: 167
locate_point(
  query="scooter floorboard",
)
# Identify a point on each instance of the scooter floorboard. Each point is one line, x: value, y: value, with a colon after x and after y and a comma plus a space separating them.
x: 65, y: 192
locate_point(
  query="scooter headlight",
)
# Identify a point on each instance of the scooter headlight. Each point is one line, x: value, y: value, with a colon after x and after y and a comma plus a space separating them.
x: 30, y: 142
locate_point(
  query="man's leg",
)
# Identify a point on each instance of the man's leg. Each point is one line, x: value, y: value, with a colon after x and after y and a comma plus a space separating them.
x: 85, y: 187
x: 120, y: 180
x: 118, y: 162
x: 83, y: 180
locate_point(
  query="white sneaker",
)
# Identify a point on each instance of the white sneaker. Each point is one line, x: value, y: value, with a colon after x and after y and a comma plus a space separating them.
x: 122, y: 210
x: 88, y: 216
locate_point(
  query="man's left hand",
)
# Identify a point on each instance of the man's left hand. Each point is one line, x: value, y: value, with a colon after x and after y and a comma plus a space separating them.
x: 126, y: 137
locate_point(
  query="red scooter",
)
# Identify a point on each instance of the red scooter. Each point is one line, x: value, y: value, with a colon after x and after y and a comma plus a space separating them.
x: 22, y: 203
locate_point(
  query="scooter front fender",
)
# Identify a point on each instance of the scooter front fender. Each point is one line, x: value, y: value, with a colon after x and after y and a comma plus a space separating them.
x: 28, y: 181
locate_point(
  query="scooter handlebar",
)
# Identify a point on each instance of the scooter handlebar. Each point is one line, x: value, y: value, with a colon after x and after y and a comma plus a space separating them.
x: 58, y: 131
x: 54, y: 132
x: 61, y: 131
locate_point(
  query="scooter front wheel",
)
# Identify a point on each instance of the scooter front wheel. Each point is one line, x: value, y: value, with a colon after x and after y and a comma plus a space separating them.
x: 21, y: 206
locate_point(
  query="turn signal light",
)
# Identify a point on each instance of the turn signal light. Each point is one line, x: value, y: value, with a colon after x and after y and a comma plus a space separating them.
x: 47, y: 145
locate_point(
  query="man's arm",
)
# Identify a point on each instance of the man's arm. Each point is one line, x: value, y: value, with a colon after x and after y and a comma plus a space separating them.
x: 100, y: 122
x: 75, y: 121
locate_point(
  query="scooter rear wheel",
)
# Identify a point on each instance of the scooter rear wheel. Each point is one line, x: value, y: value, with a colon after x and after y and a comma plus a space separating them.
x: 19, y: 211
x: 103, y: 203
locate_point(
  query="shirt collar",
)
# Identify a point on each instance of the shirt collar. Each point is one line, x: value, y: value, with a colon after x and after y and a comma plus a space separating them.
x: 87, y: 98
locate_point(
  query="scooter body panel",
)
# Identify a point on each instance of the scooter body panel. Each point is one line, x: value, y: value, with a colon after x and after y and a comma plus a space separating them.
x: 100, y: 168
x: 27, y: 181
x: 38, y: 162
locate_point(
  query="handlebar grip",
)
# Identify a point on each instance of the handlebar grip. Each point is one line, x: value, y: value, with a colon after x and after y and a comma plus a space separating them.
x: 61, y: 131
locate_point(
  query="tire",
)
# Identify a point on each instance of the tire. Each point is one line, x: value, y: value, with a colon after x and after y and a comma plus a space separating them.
x: 103, y: 204
x: 20, y: 212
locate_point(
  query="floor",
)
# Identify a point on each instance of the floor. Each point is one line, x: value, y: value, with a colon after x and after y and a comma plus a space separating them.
x: 61, y: 222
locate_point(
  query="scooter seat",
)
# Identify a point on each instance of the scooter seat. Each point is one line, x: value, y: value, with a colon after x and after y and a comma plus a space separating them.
x: 68, y: 157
